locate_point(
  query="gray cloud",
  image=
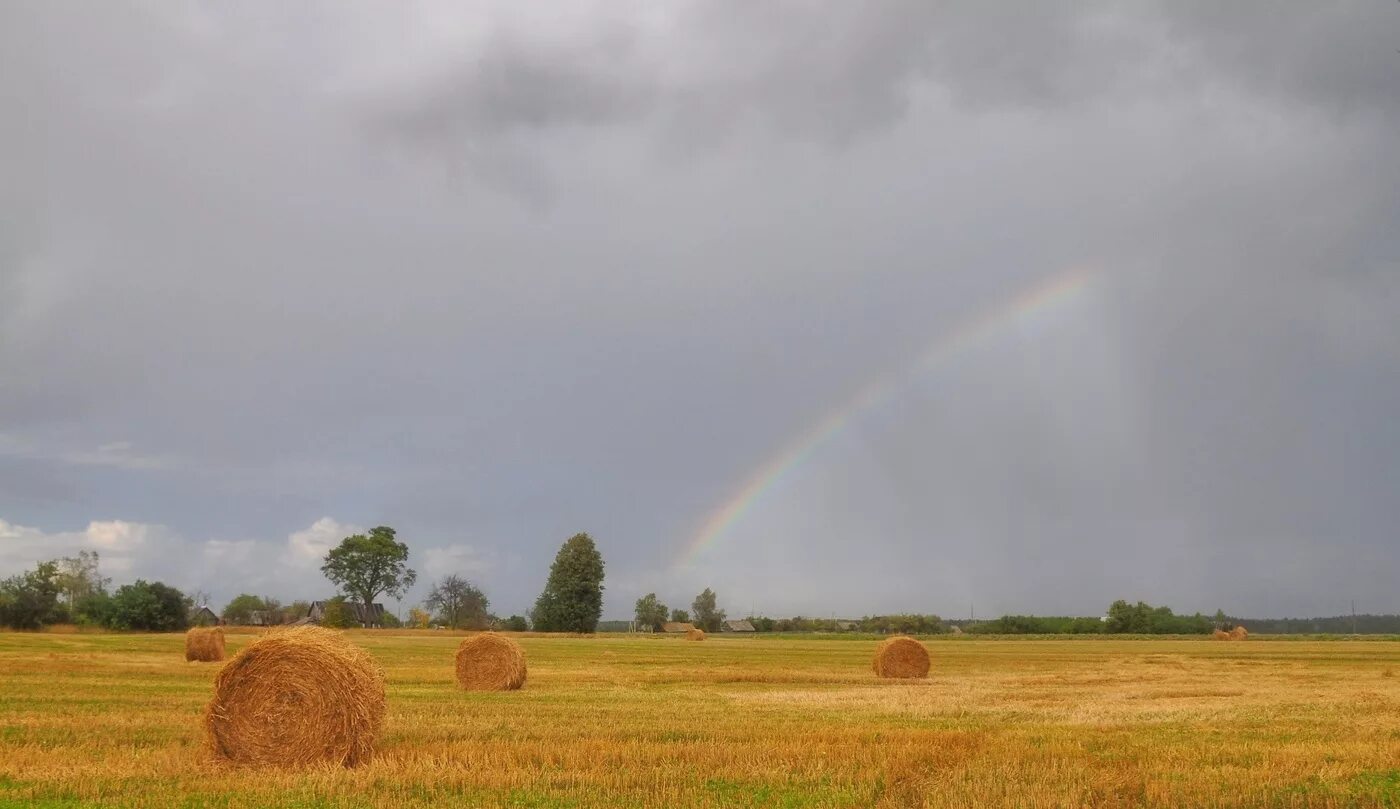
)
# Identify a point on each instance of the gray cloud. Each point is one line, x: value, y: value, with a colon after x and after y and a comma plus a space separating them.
x: 269, y: 264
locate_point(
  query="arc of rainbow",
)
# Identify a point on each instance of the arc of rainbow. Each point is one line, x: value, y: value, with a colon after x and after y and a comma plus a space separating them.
x: 1056, y: 289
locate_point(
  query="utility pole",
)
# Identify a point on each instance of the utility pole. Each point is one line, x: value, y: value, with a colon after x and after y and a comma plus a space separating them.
x: 1353, y: 616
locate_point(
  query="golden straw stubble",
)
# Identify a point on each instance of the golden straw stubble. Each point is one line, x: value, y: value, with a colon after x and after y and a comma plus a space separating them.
x: 204, y: 645
x: 901, y: 657
x: 294, y: 697
x: 490, y: 662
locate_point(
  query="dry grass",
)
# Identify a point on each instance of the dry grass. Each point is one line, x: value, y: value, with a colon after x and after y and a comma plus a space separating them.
x: 490, y: 662
x: 617, y: 721
x: 901, y: 658
x: 297, y: 696
x: 204, y: 645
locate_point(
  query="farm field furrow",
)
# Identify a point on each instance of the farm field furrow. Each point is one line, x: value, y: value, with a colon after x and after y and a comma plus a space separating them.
x: 639, y: 721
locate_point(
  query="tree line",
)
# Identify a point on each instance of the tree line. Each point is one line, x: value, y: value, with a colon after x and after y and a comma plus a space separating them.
x: 365, y: 566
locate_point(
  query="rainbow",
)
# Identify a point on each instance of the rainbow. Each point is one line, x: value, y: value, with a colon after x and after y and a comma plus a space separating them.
x: 1056, y: 289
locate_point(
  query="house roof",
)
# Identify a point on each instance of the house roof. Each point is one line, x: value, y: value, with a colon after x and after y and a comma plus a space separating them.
x: 357, y: 611
x: 195, y: 612
x: 677, y: 626
x: 738, y: 626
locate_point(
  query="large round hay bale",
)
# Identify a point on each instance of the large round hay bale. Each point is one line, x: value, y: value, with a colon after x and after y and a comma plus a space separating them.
x: 297, y: 696
x: 1239, y: 633
x: 490, y: 662
x: 1220, y: 634
x: 694, y: 633
x: 901, y: 657
x: 205, y: 645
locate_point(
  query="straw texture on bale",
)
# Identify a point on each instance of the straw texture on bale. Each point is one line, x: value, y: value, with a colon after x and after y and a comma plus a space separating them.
x: 294, y: 697
x: 901, y: 657
x: 1239, y: 633
x: 205, y: 645
x: 490, y: 662
x: 694, y: 634
x: 1220, y: 634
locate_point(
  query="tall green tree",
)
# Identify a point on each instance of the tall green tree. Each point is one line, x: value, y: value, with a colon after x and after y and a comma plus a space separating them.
x: 30, y: 600
x: 707, y: 615
x: 152, y: 606
x: 572, y: 600
x: 240, y: 609
x: 651, y: 613
x: 458, y: 603
x: 365, y: 565
x: 680, y: 616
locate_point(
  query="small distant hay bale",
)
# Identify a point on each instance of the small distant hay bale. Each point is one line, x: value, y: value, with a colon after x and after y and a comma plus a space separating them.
x: 294, y: 697
x: 204, y: 645
x: 695, y: 633
x: 901, y: 657
x: 490, y: 662
x: 1239, y: 633
x: 1220, y: 634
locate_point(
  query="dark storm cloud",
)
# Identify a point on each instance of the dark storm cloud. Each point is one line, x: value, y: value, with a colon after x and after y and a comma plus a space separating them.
x: 267, y: 278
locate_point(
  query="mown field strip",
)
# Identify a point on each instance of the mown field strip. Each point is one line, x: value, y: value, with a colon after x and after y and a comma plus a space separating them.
x: 625, y: 721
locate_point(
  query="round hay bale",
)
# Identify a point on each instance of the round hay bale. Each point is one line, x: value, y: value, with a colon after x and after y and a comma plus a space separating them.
x: 294, y: 697
x: 490, y: 662
x: 1239, y: 633
x: 694, y: 633
x: 1220, y: 634
x: 204, y: 645
x: 901, y: 657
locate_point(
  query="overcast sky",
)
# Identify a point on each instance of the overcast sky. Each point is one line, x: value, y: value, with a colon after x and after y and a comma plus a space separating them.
x: 1030, y: 306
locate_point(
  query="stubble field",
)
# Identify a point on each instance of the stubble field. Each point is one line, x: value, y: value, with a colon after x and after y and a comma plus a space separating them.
x: 628, y: 721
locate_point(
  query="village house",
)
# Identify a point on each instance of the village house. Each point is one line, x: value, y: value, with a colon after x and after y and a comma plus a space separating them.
x: 356, y: 612
x: 203, y: 616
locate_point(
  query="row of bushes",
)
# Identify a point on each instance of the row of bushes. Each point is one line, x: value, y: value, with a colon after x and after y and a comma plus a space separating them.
x: 39, y: 597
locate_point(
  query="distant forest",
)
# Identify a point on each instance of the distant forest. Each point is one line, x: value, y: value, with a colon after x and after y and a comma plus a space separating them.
x: 1339, y: 624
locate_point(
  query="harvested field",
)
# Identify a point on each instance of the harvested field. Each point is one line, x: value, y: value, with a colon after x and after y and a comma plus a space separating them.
x: 629, y: 721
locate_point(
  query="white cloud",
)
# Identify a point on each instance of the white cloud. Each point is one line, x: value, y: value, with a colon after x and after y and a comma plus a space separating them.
x: 117, y: 535
x: 310, y: 545
x: 119, y: 542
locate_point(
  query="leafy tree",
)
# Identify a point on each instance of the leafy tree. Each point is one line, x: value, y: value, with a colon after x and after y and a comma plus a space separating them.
x: 1144, y: 619
x: 240, y: 609
x: 516, y: 623
x: 458, y: 603
x: 295, y: 611
x: 680, y: 616
x: 572, y: 600
x: 364, y: 566
x: 419, y: 619
x: 94, y: 609
x: 906, y: 624
x: 335, y: 615
x: 390, y: 621
x: 651, y: 613
x: 30, y: 600
x: 151, y: 606
x: 79, y: 577
x: 707, y: 616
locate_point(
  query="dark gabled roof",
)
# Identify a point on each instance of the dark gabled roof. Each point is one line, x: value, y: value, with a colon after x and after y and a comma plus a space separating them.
x: 375, y: 614
x: 738, y: 626
x: 677, y: 626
